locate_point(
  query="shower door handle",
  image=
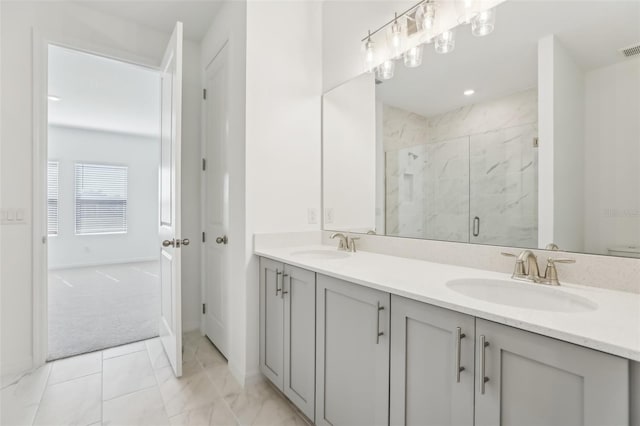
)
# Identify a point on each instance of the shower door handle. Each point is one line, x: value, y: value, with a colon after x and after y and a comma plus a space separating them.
x: 476, y: 226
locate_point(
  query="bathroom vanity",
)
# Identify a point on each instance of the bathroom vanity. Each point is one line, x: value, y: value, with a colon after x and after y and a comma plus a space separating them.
x: 370, y: 339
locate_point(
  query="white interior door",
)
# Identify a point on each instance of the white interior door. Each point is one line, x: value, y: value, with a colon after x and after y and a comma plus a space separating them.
x: 216, y: 214
x: 170, y: 233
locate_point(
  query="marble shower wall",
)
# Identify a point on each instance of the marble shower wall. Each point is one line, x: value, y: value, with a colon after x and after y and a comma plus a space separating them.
x: 478, y: 160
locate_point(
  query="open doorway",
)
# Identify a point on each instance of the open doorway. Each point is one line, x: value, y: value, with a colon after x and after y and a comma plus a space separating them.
x: 103, y: 144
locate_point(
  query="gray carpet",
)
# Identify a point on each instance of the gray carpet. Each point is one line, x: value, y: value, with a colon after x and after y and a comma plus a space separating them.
x: 102, y: 306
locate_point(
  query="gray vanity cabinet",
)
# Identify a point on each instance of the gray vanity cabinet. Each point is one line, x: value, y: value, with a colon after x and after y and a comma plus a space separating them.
x: 432, y: 365
x: 299, y: 291
x: 352, y: 366
x: 287, y: 331
x: 537, y: 380
x: 272, y: 321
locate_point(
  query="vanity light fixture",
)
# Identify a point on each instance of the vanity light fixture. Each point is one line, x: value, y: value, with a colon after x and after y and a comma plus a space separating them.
x: 445, y: 42
x: 483, y: 23
x: 386, y: 69
x: 53, y: 98
x: 469, y: 92
x: 369, y: 54
x: 413, y: 56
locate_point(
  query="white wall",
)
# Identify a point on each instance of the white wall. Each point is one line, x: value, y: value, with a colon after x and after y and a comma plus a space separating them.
x: 284, y: 87
x: 71, y: 20
x: 612, y: 152
x: 562, y: 146
x: 349, y: 155
x: 68, y: 145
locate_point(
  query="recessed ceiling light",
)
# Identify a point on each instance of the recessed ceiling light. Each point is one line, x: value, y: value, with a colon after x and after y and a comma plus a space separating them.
x: 469, y: 92
x: 53, y: 98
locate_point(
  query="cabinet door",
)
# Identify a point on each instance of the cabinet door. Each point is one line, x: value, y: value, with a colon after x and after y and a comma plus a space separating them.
x: 432, y: 365
x: 352, y: 370
x: 537, y: 380
x: 299, y: 293
x: 272, y: 321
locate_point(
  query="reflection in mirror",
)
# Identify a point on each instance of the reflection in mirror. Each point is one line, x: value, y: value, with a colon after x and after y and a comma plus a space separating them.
x: 529, y: 137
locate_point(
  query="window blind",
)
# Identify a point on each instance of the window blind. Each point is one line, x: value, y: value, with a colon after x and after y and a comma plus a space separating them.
x: 52, y: 198
x: 101, y: 198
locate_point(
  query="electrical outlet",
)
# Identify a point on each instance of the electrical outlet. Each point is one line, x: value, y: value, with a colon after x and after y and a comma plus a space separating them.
x: 312, y: 216
x: 328, y: 215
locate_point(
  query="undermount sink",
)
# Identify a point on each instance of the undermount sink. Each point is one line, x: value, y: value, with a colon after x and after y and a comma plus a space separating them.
x: 320, y: 254
x: 522, y: 295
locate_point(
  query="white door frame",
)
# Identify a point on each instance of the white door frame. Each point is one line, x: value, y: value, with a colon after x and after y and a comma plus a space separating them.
x: 41, y: 43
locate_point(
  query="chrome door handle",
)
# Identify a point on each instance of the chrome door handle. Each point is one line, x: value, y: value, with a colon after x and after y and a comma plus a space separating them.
x: 278, y: 290
x: 283, y: 290
x: 222, y: 240
x: 167, y: 243
x: 378, y: 332
x: 483, y: 378
x: 185, y: 241
x: 476, y: 226
x: 459, y: 336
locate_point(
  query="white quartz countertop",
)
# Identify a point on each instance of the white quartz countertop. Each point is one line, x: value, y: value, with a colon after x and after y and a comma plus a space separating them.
x: 613, y: 327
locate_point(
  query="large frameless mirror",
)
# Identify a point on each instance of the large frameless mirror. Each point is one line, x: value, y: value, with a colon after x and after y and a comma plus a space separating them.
x: 527, y: 137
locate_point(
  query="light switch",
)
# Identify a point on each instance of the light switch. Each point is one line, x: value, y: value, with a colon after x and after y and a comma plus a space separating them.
x: 19, y: 215
x: 328, y: 215
x: 11, y: 215
x: 312, y: 216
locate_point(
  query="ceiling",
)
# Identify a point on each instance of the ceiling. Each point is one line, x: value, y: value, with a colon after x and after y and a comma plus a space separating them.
x: 506, y: 62
x: 102, y: 94
x: 162, y: 15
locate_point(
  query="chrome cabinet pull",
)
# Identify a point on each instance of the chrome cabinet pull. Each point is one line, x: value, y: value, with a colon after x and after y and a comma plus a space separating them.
x: 378, y: 332
x: 459, y: 336
x: 278, y: 290
x: 283, y: 290
x: 476, y: 226
x: 167, y: 243
x: 483, y: 378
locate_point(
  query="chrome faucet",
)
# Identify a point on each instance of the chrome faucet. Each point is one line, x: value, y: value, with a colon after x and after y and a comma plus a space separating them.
x: 351, y: 244
x: 343, y: 243
x: 526, y: 268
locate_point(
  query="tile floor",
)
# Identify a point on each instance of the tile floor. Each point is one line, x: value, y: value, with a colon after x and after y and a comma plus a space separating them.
x: 134, y: 385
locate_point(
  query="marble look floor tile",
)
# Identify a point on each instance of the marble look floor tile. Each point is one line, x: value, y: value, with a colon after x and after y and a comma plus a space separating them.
x: 123, y: 350
x: 19, y: 401
x: 127, y: 373
x: 156, y: 354
x: 141, y: 408
x: 207, y: 354
x: 260, y: 404
x: 223, y: 380
x: 74, y: 402
x: 74, y: 367
x: 192, y: 390
x: 216, y: 414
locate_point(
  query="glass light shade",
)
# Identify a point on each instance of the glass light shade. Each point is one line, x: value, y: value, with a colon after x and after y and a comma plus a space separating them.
x: 369, y: 56
x: 483, y: 23
x: 396, y: 39
x: 413, y: 57
x: 428, y: 17
x: 445, y: 42
x: 386, y: 69
x: 466, y: 10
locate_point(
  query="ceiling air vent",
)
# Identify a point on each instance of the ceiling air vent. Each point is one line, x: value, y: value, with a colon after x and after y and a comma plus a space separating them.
x: 631, y: 50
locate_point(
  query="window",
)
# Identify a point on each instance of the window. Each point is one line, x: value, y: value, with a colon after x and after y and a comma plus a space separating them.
x: 101, y: 199
x: 52, y: 198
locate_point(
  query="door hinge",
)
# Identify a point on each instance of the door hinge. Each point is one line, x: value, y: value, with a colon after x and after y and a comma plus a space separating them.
x: 204, y: 94
x: 203, y: 238
x: 204, y: 309
x: 535, y: 142
x: 204, y: 164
